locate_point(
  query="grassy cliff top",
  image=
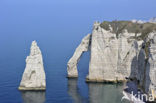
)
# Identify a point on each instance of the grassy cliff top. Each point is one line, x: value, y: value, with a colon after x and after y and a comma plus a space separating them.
x: 119, y: 26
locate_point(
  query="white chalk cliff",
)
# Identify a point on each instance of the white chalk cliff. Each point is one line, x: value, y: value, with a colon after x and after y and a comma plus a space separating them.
x: 120, y: 50
x: 34, y: 75
x: 72, y: 63
x: 112, y: 58
x: 149, y: 82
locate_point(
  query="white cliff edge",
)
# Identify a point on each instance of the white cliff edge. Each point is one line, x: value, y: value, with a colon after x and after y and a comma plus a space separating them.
x: 34, y: 75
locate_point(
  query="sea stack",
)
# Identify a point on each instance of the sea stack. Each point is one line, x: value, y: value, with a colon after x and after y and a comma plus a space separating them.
x: 34, y: 74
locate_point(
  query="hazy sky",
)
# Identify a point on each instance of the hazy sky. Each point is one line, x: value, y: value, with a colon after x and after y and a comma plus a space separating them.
x: 80, y: 9
x: 29, y: 15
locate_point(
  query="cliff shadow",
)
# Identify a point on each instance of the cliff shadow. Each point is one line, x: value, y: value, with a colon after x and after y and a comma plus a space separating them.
x: 134, y: 67
x: 73, y: 91
x: 147, y: 80
x: 33, y: 96
x: 139, y: 80
x: 140, y: 74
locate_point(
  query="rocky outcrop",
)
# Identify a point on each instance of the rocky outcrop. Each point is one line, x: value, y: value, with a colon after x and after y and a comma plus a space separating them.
x: 150, y: 73
x: 34, y: 74
x: 121, y: 50
x: 118, y: 50
x: 104, y: 55
x: 112, y: 56
x: 72, y: 63
x: 146, y: 73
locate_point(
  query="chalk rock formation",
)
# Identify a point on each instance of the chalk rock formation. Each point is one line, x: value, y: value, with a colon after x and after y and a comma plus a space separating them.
x: 127, y: 56
x: 34, y: 74
x: 116, y: 51
x: 127, y: 61
x: 72, y: 63
x: 150, y: 76
x: 104, y: 55
x: 147, y: 65
x: 112, y: 58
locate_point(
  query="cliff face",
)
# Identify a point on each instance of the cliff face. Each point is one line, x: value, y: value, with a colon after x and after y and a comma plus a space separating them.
x: 120, y: 49
x: 113, y: 55
x: 112, y: 58
x: 34, y: 75
x: 104, y: 47
x: 150, y: 71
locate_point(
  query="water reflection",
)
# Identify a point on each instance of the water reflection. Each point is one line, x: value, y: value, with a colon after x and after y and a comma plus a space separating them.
x: 105, y: 93
x: 74, y: 92
x: 33, y: 96
x: 98, y: 93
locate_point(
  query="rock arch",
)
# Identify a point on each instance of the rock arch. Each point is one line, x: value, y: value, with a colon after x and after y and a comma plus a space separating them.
x: 72, y: 63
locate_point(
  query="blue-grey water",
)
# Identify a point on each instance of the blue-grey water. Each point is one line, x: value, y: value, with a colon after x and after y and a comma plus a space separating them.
x: 58, y: 26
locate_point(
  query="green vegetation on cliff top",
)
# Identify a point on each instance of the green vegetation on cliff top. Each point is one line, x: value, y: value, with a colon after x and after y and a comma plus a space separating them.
x: 119, y: 26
